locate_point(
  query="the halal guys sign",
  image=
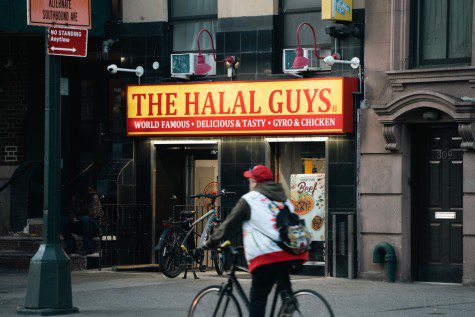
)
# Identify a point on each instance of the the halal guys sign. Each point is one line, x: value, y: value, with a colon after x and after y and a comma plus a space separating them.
x: 308, y: 106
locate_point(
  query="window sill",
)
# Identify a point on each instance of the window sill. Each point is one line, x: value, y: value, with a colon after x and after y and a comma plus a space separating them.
x: 399, y: 78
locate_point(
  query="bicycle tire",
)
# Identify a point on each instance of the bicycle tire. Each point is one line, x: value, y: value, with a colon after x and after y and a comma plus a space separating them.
x: 319, y: 305
x: 170, y: 256
x: 219, y: 263
x: 201, y: 308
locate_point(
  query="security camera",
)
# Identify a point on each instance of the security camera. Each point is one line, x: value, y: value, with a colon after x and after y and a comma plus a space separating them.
x: 139, y: 71
x: 329, y: 60
x: 112, y: 69
x: 106, y: 45
x: 354, y: 62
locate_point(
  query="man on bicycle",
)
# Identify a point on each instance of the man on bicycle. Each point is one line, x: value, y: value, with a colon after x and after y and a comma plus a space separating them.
x: 256, y: 212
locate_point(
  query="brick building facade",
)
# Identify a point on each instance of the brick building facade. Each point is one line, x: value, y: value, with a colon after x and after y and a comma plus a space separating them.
x: 14, y: 80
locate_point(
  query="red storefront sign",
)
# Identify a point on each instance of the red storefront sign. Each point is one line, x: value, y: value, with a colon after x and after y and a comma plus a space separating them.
x: 302, y: 106
x: 67, y: 42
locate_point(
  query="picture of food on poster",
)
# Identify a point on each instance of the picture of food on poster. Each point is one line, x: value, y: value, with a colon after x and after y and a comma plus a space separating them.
x: 307, y: 193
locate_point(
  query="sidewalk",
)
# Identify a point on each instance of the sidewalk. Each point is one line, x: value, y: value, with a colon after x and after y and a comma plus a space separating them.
x: 109, y: 293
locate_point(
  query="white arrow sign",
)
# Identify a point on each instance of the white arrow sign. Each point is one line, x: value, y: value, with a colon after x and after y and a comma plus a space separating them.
x: 63, y: 49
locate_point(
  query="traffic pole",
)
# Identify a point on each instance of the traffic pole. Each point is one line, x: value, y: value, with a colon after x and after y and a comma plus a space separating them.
x: 49, y: 277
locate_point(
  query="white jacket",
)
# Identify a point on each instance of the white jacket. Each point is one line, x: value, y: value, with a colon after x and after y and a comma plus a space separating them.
x: 260, y: 232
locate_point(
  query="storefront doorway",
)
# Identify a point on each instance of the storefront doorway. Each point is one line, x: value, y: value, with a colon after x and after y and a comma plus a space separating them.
x: 300, y: 165
x: 437, y: 204
x: 182, y: 170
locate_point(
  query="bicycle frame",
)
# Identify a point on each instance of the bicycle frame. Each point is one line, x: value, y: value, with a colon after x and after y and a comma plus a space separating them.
x: 228, y: 287
x: 234, y: 282
x: 205, y: 231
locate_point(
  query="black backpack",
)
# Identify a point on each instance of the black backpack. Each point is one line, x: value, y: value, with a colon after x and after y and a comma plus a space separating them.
x: 294, y: 236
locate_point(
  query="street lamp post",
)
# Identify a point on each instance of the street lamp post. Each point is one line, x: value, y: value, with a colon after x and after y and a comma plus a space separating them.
x: 49, y: 277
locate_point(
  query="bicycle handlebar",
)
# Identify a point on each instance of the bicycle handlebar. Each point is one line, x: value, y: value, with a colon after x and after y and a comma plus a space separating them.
x: 226, y: 244
x: 211, y: 196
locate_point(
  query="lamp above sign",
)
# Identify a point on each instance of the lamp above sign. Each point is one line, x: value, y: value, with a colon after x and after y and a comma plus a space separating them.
x: 60, y: 13
x: 304, y: 106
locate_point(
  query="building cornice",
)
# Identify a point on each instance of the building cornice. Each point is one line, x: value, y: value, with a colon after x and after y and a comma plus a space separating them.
x: 398, y: 79
x: 460, y: 110
x: 391, y: 114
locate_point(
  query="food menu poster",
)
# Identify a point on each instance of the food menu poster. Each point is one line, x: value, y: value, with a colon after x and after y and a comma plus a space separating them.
x: 307, y: 193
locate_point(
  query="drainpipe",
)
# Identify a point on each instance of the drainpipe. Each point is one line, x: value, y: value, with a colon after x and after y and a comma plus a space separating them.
x: 384, y: 252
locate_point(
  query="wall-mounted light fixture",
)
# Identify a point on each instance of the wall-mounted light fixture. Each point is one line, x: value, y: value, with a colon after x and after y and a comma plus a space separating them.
x: 106, y: 46
x: 300, y: 60
x: 354, y: 63
x: 202, y: 68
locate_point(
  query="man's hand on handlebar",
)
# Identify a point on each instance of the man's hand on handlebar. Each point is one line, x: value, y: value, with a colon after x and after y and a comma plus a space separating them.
x: 206, y: 246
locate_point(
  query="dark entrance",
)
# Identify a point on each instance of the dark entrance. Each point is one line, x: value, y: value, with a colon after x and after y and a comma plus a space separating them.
x: 179, y: 171
x: 437, y: 204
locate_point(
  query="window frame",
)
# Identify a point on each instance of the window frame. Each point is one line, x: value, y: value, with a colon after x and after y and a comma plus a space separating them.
x: 416, y: 60
x: 283, y: 12
x: 188, y: 19
x: 117, y: 11
x: 302, y: 10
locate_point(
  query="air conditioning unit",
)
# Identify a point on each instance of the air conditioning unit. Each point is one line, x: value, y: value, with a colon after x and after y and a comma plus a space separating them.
x: 183, y: 65
x: 316, y: 64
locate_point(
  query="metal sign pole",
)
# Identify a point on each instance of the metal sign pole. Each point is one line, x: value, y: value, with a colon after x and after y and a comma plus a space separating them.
x: 49, y: 277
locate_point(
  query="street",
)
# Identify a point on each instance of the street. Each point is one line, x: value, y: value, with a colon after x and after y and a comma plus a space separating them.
x: 110, y: 293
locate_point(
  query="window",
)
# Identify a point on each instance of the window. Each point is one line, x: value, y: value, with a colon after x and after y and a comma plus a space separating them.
x: 188, y: 17
x: 442, y: 32
x: 301, y: 4
x: 117, y: 10
x: 194, y: 8
x: 297, y: 11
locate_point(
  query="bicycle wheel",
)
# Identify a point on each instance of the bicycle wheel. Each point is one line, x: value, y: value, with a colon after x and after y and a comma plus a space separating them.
x: 170, y: 255
x: 218, y: 259
x: 309, y: 303
x: 207, y: 303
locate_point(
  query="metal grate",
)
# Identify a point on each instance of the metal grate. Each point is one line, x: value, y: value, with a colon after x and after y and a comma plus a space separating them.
x: 125, y: 234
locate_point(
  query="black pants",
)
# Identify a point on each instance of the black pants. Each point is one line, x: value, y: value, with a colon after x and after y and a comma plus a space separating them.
x: 263, y: 279
x: 86, y: 226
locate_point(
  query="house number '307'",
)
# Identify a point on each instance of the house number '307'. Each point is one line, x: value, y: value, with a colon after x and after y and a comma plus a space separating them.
x: 444, y: 155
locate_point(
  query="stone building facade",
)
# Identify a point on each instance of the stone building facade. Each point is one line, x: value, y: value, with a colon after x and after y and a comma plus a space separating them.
x: 417, y: 130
